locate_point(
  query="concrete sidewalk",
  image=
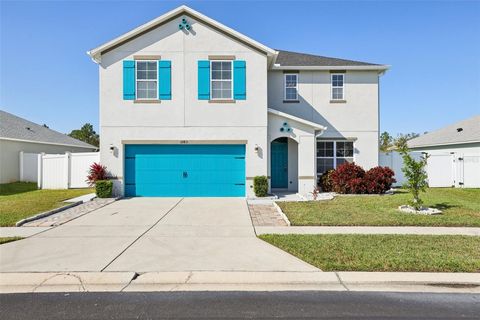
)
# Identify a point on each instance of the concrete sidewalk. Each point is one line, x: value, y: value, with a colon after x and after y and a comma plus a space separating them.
x: 22, y: 232
x: 466, y: 231
x: 239, y: 281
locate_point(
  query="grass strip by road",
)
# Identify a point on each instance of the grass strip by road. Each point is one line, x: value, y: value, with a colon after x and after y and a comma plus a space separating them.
x: 461, y: 208
x: 20, y: 200
x: 9, y: 239
x: 383, y: 253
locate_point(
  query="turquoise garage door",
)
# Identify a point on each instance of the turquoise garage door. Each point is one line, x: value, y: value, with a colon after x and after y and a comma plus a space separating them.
x: 185, y: 170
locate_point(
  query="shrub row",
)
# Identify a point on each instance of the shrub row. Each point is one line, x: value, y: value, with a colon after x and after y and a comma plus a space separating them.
x: 349, y: 178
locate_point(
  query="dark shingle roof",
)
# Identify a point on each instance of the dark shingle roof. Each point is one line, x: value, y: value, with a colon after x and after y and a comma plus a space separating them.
x: 465, y: 131
x: 14, y: 127
x: 295, y: 59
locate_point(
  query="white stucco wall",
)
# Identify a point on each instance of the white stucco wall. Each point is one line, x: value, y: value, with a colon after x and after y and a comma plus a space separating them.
x: 10, y: 151
x: 357, y: 118
x: 184, y: 117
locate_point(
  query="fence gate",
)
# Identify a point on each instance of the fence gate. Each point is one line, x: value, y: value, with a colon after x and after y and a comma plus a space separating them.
x: 454, y: 170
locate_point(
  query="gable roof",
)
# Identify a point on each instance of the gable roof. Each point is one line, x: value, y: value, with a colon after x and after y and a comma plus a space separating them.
x: 469, y: 133
x: 16, y: 128
x: 287, y: 59
x: 314, y: 125
x: 97, y: 52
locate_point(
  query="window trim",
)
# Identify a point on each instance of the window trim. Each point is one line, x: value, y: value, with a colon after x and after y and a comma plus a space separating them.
x: 151, y: 80
x: 334, y: 158
x: 332, y: 86
x: 211, y: 81
x: 285, y: 86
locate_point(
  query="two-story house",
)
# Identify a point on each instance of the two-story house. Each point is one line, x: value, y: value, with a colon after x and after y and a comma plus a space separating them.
x: 190, y: 107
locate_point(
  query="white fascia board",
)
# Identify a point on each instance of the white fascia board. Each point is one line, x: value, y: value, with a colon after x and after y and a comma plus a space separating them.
x: 300, y: 120
x: 373, y: 68
x: 49, y: 143
x: 96, y: 53
x: 445, y: 144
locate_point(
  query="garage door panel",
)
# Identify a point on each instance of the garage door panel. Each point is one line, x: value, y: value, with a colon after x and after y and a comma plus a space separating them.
x: 185, y: 170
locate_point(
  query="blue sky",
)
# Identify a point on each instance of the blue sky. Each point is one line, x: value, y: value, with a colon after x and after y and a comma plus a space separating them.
x: 433, y: 47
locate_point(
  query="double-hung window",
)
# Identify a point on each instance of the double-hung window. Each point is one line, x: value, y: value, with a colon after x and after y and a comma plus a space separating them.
x: 338, y: 80
x: 221, y: 80
x: 291, y: 86
x: 331, y: 154
x: 146, y: 80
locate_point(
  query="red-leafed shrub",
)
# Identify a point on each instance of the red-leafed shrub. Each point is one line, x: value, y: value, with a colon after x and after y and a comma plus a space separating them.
x: 326, y: 181
x: 352, y: 179
x: 379, y: 180
x: 347, y: 178
x: 96, y: 172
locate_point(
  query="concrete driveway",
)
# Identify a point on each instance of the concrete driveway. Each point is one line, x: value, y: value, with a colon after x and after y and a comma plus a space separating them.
x: 152, y: 234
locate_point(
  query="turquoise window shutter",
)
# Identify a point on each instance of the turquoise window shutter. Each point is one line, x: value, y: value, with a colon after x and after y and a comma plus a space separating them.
x: 165, y: 80
x: 128, y: 80
x: 239, y: 80
x: 203, y: 80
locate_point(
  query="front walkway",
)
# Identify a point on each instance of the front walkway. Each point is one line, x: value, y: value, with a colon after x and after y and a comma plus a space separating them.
x: 152, y: 234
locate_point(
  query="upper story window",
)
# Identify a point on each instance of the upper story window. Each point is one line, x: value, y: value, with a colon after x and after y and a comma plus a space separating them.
x: 221, y: 80
x: 291, y: 86
x: 331, y: 154
x: 338, y: 86
x: 147, y: 80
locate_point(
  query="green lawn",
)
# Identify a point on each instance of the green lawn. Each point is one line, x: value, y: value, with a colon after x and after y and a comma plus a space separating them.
x: 409, y: 253
x: 461, y: 207
x: 9, y: 239
x: 20, y: 200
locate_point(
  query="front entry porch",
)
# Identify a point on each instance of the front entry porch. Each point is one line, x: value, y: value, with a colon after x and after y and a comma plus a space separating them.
x: 291, y: 165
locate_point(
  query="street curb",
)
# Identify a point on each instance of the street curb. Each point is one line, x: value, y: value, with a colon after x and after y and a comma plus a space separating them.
x: 47, y: 213
x: 239, y: 281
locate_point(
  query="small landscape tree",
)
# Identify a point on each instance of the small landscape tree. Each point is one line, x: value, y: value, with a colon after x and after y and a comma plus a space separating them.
x: 416, y: 176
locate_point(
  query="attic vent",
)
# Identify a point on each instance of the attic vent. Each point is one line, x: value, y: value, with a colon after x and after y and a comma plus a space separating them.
x: 28, y: 128
x: 459, y: 129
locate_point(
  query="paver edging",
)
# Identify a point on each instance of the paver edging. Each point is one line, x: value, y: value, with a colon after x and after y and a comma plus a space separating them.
x: 279, y: 210
x: 47, y: 213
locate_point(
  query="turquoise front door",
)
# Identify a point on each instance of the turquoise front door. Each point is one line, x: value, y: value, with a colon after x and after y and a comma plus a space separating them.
x: 279, y: 163
x: 185, y: 170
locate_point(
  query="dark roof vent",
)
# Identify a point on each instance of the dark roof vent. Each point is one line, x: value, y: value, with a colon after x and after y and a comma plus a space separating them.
x: 459, y: 129
x: 28, y: 128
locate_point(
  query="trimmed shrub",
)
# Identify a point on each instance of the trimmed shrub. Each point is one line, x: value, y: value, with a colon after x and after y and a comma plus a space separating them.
x: 326, y: 181
x: 379, y: 180
x: 95, y: 173
x: 348, y: 178
x: 104, y: 188
x: 260, y: 186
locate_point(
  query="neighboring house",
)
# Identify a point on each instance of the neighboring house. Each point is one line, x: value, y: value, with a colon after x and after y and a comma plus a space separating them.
x: 18, y: 134
x: 454, y: 154
x: 190, y: 107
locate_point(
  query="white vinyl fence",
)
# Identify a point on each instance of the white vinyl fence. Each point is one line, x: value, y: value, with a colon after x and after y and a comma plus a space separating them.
x: 443, y: 169
x: 394, y: 161
x: 454, y: 170
x: 57, y: 171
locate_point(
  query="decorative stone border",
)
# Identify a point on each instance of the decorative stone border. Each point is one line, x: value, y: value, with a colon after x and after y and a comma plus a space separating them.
x: 47, y: 213
x: 423, y: 210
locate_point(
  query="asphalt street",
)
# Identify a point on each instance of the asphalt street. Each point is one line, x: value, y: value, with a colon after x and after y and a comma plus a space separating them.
x: 236, y: 305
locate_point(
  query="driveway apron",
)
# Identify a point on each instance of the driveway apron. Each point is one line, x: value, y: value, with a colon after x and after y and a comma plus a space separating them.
x: 152, y: 234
